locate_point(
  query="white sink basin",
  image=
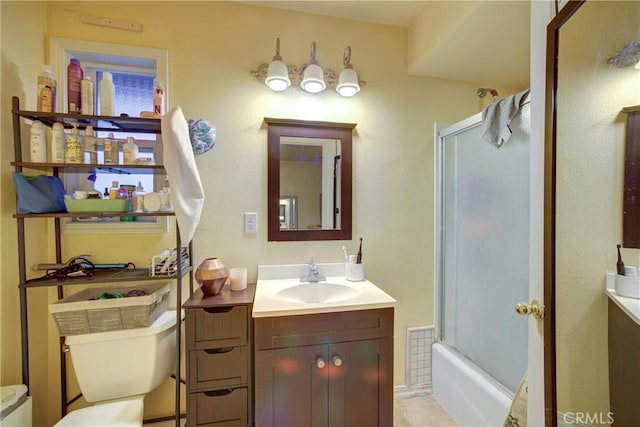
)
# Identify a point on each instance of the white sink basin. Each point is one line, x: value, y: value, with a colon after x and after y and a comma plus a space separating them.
x: 318, y: 292
x: 279, y: 292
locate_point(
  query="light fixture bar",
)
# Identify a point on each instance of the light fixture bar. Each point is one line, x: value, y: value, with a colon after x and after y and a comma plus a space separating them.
x: 309, y: 76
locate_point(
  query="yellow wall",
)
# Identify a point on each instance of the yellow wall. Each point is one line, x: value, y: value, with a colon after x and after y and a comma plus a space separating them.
x: 213, y: 46
x: 591, y: 135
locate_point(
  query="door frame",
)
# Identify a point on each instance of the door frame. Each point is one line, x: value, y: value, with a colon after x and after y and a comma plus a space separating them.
x: 549, y: 244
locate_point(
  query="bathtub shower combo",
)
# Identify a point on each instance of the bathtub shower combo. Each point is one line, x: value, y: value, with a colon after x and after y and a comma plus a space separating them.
x: 480, y: 356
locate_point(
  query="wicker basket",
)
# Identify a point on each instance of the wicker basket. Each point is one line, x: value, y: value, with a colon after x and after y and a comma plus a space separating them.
x: 79, y: 314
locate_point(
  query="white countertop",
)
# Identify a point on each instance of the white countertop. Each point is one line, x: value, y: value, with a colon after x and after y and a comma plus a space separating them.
x: 631, y: 306
x: 272, y: 280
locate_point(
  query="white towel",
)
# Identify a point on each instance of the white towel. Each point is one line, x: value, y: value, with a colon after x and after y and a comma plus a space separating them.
x: 187, y: 194
x: 497, y: 117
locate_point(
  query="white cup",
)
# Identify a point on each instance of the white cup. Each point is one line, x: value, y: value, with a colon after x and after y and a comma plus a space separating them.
x: 238, y: 278
x: 354, y: 272
x: 80, y: 194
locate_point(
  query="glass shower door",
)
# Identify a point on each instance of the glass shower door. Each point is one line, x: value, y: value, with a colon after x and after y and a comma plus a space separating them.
x: 484, y: 259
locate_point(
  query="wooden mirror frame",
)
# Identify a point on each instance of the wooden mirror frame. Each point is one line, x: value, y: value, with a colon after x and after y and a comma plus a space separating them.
x: 278, y: 128
x: 551, y: 116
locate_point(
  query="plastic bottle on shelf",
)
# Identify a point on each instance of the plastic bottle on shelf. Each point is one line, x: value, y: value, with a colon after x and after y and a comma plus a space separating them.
x: 110, y: 150
x: 165, y: 197
x: 87, y: 90
x: 130, y: 152
x: 73, y: 148
x: 47, y: 86
x: 38, y: 143
x: 74, y: 86
x: 138, y: 198
x: 58, y: 141
x: 114, y: 190
x: 158, y: 99
x: 90, y: 152
x: 107, y: 95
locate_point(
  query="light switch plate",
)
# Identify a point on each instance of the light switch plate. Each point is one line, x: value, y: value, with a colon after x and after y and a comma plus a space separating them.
x: 250, y: 222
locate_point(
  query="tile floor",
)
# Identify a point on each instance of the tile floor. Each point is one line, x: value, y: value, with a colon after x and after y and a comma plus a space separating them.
x: 421, y: 411
x: 415, y: 411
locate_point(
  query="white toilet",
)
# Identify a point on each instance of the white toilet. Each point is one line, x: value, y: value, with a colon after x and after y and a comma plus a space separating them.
x: 116, y: 369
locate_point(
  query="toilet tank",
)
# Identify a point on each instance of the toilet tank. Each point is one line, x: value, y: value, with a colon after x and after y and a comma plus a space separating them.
x: 123, y: 363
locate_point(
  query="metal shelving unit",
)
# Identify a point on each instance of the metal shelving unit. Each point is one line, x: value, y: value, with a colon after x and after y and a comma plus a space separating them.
x: 99, y: 123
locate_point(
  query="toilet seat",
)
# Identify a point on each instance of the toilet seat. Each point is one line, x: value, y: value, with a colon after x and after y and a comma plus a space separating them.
x: 122, y: 413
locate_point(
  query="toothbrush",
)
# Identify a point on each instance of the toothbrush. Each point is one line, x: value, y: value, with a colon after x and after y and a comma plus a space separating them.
x: 359, y: 258
x: 346, y: 256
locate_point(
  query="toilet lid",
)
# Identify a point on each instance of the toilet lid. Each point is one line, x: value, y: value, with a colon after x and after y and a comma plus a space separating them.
x: 123, y: 413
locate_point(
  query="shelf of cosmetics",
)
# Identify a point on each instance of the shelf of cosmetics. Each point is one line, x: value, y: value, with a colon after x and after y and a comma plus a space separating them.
x: 133, y: 198
x: 77, y: 148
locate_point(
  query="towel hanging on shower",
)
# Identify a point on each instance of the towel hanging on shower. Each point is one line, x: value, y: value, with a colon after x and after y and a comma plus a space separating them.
x: 497, y: 117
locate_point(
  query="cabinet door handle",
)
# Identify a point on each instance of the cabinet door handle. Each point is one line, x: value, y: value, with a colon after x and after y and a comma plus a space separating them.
x: 337, y: 360
x: 320, y: 362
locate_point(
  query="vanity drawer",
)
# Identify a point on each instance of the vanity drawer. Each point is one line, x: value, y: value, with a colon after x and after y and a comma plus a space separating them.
x: 219, y: 408
x: 225, y: 326
x: 219, y: 367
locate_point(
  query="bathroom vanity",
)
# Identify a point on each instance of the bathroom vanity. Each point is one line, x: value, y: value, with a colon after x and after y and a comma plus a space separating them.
x: 323, y: 351
x: 219, y: 348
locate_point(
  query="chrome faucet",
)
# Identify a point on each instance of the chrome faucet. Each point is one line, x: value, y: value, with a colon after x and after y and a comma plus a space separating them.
x: 313, y: 275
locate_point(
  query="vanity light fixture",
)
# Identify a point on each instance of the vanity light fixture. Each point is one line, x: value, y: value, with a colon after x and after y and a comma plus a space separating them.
x: 310, y: 77
x: 628, y: 56
x: 313, y: 77
x: 278, y: 74
x: 348, y: 82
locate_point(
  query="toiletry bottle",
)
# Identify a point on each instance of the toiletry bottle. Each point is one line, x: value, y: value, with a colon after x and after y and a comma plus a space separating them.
x: 87, y: 90
x: 107, y: 95
x: 138, y: 198
x: 58, y: 141
x: 130, y: 152
x: 620, y: 264
x: 123, y: 193
x: 114, y: 190
x: 105, y: 195
x: 90, y: 152
x: 73, y: 150
x: 38, y: 143
x: 74, y: 83
x: 47, y: 86
x: 165, y: 197
x: 110, y: 150
x: 158, y: 99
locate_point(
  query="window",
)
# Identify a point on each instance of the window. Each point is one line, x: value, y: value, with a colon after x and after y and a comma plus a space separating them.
x: 134, y: 70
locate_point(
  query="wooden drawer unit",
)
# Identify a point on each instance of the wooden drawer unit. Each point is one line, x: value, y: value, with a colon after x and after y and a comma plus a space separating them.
x: 220, y: 408
x: 219, y: 335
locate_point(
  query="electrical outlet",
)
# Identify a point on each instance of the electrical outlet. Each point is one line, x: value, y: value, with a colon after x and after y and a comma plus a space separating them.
x: 250, y: 222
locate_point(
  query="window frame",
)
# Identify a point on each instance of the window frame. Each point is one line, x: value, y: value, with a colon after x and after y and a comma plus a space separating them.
x: 109, y: 56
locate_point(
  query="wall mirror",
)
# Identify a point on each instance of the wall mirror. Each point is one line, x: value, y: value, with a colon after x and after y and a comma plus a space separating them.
x: 584, y: 188
x: 309, y: 180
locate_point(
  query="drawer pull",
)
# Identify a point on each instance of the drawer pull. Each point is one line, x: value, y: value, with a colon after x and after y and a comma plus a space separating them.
x: 219, y: 350
x: 218, y: 393
x: 214, y: 310
x: 337, y: 360
x: 320, y: 363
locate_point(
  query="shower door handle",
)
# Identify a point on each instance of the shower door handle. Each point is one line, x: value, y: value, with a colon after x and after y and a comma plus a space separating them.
x: 535, y: 308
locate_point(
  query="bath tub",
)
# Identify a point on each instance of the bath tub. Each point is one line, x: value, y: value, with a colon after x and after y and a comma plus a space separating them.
x: 470, y: 396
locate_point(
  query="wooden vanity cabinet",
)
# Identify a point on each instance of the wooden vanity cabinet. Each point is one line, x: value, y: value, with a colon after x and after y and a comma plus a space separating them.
x: 219, y: 358
x: 330, y: 369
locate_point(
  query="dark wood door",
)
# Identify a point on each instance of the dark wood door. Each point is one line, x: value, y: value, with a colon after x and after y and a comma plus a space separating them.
x: 291, y: 387
x: 360, y: 389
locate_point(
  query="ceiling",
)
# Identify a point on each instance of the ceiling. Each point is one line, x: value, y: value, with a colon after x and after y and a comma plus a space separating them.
x: 489, y: 44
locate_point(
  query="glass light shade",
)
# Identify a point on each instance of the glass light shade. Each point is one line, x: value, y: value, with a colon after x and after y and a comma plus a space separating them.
x: 278, y: 76
x: 348, y: 82
x: 313, y: 79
